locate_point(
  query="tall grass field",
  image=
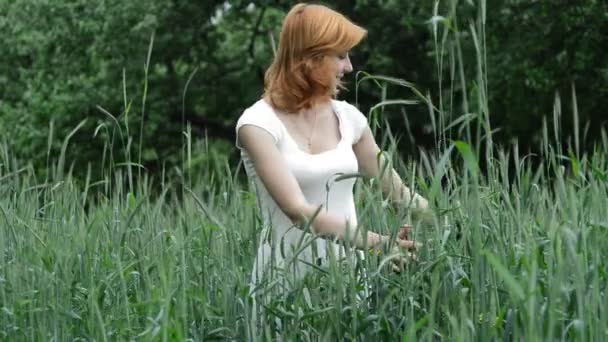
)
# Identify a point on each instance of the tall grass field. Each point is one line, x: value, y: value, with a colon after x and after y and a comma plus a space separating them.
x: 516, y: 250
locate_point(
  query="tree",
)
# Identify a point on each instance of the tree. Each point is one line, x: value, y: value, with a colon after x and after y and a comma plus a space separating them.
x: 64, y: 62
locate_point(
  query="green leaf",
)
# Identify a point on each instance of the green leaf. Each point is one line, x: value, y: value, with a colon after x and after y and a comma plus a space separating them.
x: 503, y: 273
x: 470, y: 162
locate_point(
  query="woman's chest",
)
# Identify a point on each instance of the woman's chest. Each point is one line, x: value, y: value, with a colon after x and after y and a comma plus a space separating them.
x: 319, y: 169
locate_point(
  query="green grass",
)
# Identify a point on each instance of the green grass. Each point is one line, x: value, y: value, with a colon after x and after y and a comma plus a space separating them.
x: 516, y: 251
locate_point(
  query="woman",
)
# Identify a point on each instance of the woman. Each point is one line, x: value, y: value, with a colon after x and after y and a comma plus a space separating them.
x: 297, y: 140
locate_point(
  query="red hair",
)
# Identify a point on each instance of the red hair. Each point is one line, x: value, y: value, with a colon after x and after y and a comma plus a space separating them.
x: 303, y: 71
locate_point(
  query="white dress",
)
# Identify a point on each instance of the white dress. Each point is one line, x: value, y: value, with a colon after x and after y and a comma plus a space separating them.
x: 283, y: 247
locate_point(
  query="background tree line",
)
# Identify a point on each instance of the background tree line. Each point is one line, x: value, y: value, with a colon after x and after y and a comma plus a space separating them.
x: 145, y: 77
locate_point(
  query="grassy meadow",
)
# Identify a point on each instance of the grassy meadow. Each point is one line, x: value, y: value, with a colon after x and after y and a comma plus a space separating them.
x: 516, y: 250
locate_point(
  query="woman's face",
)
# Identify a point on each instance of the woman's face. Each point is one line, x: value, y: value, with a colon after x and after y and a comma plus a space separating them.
x: 343, y: 67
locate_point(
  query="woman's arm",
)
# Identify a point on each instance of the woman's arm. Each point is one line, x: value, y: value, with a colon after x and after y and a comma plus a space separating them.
x: 371, y: 162
x: 272, y: 170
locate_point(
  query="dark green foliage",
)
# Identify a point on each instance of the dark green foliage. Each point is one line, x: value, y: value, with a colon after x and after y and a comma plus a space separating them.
x: 538, y: 49
x: 61, y: 60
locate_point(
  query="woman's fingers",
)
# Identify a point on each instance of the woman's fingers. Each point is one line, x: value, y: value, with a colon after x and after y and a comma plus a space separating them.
x: 412, y: 256
x: 404, y: 250
x: 399, y: 261
x: 404, y: 232
x: 408, y: 244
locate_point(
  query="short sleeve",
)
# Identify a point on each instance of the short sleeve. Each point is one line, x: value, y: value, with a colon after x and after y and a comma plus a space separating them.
x: 357, y: 120
x: 260, y: 116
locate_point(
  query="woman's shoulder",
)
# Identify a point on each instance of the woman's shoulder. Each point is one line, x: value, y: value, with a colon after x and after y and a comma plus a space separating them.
x: 351, y: 114
x: 351, y: 111
x: 261, y: 114
x: 259, y: 109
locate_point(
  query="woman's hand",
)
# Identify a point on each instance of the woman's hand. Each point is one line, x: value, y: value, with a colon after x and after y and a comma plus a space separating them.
x: 401, y: 251
x: 404, y: 231
x: 404, y: 248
